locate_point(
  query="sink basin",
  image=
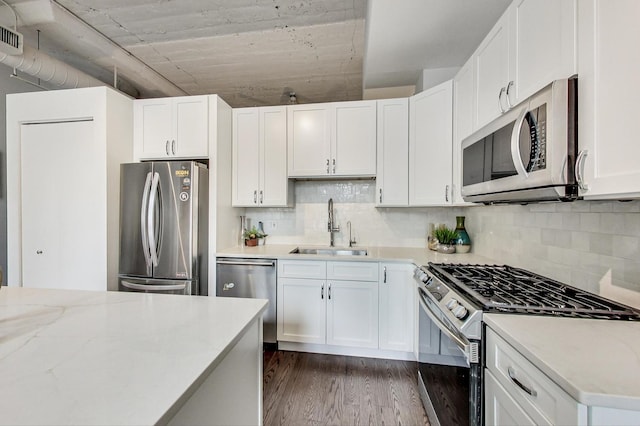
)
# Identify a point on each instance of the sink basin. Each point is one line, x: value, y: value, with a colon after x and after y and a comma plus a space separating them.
x: 329, y: 251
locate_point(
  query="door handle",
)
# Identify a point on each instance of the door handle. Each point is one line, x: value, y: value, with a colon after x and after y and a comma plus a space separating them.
x: 502, y: 90
x: 173, y: 147
x: 512, y: 376
x: 143, y: 219
x: 255, y: 197
x: 384, y: 274
x: 329, y: 291
x: 446, y: 193
x: 509, y: 104
x: 381, y: 195
x: 322, y: 291
x: 151, y: 219
x: 261, y: 197
x: 166, y: 147
x: 579, y: 171
x: 149, y: 287
x: 327, y: 166
x: 515, y: 144
x: 334, y: 166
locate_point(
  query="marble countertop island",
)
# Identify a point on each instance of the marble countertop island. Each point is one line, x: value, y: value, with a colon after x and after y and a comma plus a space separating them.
x: 597, y: 362
x: 80, y: 357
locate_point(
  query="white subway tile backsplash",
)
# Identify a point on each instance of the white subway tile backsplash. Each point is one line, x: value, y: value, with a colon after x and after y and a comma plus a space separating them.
x: 594, y: 245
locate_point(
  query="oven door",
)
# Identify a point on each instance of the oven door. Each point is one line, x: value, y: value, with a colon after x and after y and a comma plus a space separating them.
x: 450, y: 385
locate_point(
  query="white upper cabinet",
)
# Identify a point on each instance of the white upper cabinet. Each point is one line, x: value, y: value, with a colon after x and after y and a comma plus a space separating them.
x: 260, y: 157
x: 430, y: 146
x: 532, y: 44
x: 543, y: 45
x: 334, y: 139
x: 392, y: 180
x: 168, y: 128
x: 608, y: 87
x: 463, y: 106
x: 492, y: 73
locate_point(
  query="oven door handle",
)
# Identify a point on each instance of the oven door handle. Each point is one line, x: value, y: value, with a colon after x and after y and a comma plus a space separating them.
x: 464, y: 346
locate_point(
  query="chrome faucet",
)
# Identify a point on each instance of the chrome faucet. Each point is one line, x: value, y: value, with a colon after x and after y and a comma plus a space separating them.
x: 331, y: 227
x: 352, y: 241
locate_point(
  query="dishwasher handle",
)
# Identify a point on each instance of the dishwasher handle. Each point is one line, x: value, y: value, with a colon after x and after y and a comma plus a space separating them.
x: 246, y: 263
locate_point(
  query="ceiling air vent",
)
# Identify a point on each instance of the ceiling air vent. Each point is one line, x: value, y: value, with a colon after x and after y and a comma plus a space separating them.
x: 10, y: 41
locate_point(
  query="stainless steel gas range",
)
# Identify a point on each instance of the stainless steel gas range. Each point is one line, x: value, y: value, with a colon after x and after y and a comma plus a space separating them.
x: 453, y: 299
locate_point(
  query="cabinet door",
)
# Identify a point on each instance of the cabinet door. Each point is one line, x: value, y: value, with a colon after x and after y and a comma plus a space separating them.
x: 463, y: 107
x: 608, y: 87
x: 492, y: 72
x: 352, y: 313
x: 544, y: 45
x: 274, y: 182
x: 500, y: 408
x: 397, y: 307
x: 392, y: 177
x: 301, y: 310
x: 63, y: 207
x: 430, y: 143
x: 246, y: 156
x: 191, y: 127
x: 354, y: 139
x: 309, y: 137
x: 153, y: 127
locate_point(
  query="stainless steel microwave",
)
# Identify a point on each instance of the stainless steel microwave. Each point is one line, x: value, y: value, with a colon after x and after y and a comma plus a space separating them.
x: 528, y: 153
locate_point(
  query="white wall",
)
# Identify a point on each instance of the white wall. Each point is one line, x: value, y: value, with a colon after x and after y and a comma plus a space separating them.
x: 7, y: 85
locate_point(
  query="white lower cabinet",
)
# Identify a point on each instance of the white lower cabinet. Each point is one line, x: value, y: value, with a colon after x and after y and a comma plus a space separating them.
x: 500, y: 408
x: 397, y: 307
x: 534, y: 398
x: 315, y: 306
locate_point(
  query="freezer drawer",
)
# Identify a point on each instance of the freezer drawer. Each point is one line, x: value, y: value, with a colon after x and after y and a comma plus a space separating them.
x: 250, y: 278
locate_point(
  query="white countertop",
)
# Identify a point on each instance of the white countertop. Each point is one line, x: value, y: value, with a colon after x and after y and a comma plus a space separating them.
x: 597, y: 362
x: 418, y: 256
x: 81, y: 357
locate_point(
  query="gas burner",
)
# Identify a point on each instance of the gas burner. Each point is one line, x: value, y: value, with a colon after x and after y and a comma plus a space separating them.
x: 501, y: 288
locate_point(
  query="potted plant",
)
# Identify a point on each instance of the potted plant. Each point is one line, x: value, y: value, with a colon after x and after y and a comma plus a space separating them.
x: 251, y: 236
x: 446, y: 239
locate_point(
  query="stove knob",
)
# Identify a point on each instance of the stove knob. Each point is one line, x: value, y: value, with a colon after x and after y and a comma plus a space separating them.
x: 460, y: 312
x: 451, y: 304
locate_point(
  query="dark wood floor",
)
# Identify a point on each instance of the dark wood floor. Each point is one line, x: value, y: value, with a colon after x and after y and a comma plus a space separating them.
x: 316, y: 389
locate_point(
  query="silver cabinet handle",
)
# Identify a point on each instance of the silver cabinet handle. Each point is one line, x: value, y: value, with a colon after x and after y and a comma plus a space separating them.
x: 509, y: 104
x: 381, y: 195
x: 512, y: 376
x: 579, y: 171
x: 246, y: 263
x: 334, y: 166
x: 166, y: 147
x: 322, y: 291
x: 173, y: 147
x: 502, y: 91
x: 446, y: 193
x: 327, y: 166
x: 329, y: 291
x: 384, y: 274
x: 261, y: 197
x: 255, y: 197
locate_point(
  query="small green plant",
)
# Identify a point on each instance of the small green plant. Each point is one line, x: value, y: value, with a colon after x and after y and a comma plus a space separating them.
x: 445, y: 235
x: 250, y: 234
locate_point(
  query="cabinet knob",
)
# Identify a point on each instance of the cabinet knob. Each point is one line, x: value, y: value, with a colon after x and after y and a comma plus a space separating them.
x: 38, y: 251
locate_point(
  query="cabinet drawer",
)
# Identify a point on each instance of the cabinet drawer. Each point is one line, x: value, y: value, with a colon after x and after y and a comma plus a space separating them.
x: 302, y: 269
x: 353, y: 271
x: 547, y: 403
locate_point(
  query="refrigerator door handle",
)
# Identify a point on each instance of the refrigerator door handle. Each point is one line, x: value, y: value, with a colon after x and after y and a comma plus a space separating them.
x: 150, y: 287
x: 143, y: 220
x: 151, y: 225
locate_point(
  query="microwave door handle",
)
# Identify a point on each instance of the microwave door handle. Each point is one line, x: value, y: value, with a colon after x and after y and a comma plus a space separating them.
x: 515, y: 144
x: 151, y: 219
x: 143, y: 219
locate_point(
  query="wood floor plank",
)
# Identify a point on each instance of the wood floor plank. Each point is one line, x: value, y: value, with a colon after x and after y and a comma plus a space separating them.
x: 317, y: 389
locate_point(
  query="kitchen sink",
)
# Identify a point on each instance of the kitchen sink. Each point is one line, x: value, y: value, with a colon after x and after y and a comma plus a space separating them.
x: 329, y: 251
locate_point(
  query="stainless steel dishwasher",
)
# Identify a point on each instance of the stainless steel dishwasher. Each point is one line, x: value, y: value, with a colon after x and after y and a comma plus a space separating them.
x: 250, y: 278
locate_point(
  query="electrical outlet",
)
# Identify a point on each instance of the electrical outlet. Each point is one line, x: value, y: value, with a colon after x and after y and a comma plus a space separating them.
x: 273, y: 224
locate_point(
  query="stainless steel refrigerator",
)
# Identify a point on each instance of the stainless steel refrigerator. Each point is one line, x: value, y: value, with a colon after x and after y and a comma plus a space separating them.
x: 164, y: 227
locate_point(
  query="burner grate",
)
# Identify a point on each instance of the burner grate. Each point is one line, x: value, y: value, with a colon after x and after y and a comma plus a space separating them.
x: 508, y: 289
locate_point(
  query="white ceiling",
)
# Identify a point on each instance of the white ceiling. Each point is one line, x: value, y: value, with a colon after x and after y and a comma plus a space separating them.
x: 254, y: 52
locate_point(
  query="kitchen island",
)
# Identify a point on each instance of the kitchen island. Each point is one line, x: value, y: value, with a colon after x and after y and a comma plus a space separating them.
x: 81, y: 357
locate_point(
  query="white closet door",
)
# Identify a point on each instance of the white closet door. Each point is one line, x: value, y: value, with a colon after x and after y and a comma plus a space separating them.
x: 63, y: 207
